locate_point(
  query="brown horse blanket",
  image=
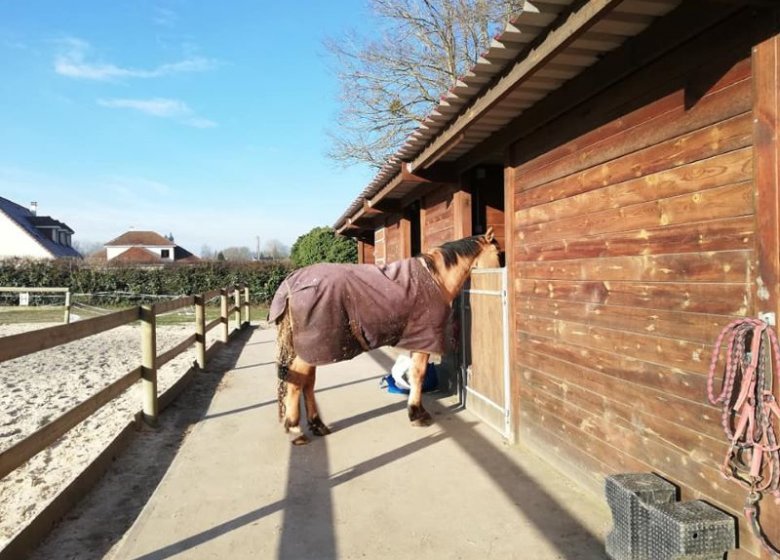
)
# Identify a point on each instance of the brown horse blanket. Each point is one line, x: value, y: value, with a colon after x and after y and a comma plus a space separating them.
x: 341, y: 310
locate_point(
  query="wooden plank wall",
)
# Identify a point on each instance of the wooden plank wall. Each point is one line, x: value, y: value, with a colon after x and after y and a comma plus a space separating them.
x: 634, y: 243
x: 495, y: 219
x: 380, y: 250
x: 365, y: 252
x: 445, y: 215
x: 437, y: 218
x: 766, y: 150
x: 396, y: 239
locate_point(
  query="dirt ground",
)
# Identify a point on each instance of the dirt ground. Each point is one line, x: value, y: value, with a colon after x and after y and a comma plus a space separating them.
x: 102, y: 518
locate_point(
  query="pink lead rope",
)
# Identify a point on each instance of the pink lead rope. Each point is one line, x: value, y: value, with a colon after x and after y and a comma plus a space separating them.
x: 753, y: 458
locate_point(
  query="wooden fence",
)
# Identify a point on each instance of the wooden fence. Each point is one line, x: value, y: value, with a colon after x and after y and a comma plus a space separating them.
x: 22, y: 290
x: 27, y: 343
x: 18, y: 345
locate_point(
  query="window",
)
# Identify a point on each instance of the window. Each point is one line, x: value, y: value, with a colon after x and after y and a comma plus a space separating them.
x: 165, y: 253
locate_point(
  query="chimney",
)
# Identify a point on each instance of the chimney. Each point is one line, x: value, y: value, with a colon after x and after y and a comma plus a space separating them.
x: 34, y: 208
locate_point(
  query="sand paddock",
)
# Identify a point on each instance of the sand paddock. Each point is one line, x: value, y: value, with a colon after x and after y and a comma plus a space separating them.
x: 38, y: 388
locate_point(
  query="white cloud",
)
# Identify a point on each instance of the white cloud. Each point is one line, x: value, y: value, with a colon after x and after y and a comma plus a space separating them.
x: 73, y: 62
x: 199, y: 122
x: 158, y: 107
x: 161, y: 107
x: 164, y: 17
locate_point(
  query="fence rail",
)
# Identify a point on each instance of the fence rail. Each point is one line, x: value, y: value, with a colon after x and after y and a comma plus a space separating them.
x: 18, y: 345
x: 23, y: 290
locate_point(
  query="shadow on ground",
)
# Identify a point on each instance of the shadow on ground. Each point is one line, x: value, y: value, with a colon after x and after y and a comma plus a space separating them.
x: 308, y: 510
x: 97, y: 524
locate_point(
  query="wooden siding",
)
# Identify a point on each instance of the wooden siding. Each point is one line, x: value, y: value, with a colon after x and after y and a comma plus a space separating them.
x: 396, y: 239
x: 766, y: 136
x: 365, y: 252
x: 495, y: 219
x: 437, y: 219
x: 380, y: 248
x: 634, y: 242
x: 445, y: 215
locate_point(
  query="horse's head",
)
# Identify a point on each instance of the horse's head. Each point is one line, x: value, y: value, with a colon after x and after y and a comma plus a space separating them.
x: 488, y: 257
x: 451, y: 263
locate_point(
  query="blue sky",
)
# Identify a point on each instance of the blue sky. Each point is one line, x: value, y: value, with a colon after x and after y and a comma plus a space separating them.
x: 199, y: 118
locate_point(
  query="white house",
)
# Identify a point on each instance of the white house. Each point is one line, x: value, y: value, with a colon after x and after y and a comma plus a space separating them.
x: 25, y: 234
x: 145, y: 247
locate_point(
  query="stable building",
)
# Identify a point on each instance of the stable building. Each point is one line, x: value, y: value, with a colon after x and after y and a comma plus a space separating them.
x: 627, y: 155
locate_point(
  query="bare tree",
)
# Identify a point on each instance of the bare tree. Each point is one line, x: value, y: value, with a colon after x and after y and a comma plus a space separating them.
x: 275, y: 249
x: 237, y: 253
x: 86, y: 248
x: 206, y: 253
x: 392, y: 79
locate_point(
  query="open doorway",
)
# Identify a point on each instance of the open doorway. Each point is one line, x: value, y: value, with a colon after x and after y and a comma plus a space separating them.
x: 415, y: 234
x: 486, y: 184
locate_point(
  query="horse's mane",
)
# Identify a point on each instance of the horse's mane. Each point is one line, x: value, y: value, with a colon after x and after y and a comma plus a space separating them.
x: 453, y: 250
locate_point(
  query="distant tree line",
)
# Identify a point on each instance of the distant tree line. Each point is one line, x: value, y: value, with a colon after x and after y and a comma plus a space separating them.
x: 273, y: 249
x: 237, y: 266
x: 262, y: 278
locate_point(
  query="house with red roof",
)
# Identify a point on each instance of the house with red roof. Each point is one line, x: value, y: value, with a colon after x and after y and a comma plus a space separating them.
x: 23, y: 233
x: 144, y: 248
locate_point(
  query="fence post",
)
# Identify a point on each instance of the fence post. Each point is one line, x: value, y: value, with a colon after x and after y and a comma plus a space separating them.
x: 148, y: 365
x: 246, y: 305
x: 67, y: 306
x: 237, y: 302
x: 200, y: 331
x: 223, y: 313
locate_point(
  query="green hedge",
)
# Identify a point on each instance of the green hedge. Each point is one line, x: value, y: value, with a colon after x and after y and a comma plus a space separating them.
x: 262, y: 278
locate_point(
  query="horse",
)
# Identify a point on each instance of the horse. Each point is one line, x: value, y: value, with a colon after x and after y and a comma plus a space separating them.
x: 327, y: 313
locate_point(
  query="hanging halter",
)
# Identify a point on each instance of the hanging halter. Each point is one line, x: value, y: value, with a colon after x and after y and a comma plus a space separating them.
x: 753, y: 458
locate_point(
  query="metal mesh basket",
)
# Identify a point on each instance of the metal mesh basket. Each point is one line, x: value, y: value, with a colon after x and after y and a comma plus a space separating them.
x: 690, y: 531
x: 649, y: 525
x: 627, y: 496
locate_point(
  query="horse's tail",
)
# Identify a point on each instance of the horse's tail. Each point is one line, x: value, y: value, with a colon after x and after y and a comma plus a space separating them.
x: 281, y: 393
x: 285, y: 353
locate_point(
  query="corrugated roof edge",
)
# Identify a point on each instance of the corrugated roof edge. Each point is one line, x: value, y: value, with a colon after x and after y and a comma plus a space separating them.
x: 392, y: 167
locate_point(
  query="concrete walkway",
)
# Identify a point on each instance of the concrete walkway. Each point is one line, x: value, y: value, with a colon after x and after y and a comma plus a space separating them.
x: 375, y: 488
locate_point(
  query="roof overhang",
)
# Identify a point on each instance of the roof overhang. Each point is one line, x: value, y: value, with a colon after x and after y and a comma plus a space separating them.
x: 548, y: 44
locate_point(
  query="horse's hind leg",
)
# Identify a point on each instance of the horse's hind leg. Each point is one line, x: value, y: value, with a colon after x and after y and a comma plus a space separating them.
x: 292, y: 377
x: 418, y: 416
x: 316, y: 425
x: 296, y: 378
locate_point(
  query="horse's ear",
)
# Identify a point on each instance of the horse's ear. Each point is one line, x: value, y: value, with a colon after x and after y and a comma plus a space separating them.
x: 489, y: 235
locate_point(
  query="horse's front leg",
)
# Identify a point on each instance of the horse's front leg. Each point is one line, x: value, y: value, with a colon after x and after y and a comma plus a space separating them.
x: 316, y: 425
x: 295, y: 379
x: 417, y: 414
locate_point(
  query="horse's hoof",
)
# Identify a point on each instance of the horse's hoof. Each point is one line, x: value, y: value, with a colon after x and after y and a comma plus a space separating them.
x: 300, y: 440
x: 318, y: 427
x: 297, y: 437
x: 419, y: 417
x: 423, y: 422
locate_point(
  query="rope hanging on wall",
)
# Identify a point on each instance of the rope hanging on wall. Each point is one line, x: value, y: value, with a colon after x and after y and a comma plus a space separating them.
x: 748, y: 406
